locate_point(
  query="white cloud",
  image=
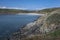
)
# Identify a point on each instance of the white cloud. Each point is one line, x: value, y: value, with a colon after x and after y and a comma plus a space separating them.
x: 3, y: 7
x: 12, y: 8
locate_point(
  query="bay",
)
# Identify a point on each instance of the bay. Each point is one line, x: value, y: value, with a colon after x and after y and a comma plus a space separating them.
x: 11, y: 23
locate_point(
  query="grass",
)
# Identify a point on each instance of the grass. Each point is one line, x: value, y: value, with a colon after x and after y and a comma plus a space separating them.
x: 48, y: 10
x: 54, y: 18
x: 55, y: 33
x: 51, y: 36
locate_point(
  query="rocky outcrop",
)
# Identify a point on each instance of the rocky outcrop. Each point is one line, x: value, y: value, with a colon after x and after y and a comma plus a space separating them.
x: 43, y: 25
x: 51, y: 22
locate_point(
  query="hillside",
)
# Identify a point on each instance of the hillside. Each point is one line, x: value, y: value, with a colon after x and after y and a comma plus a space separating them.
x: 45, y: 28
x: 48, y: 10
x: 13, y: 11
x: 50, y: 28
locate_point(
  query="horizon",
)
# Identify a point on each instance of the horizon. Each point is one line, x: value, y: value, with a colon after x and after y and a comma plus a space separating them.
x: 24, y: 8
x: 29, y: 4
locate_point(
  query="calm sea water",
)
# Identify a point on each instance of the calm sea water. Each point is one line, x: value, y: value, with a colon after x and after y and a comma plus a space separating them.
x: 11, y: 23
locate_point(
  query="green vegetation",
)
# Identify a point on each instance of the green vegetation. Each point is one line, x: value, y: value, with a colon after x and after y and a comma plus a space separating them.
x: 51, y: 36
x: 54, y: 18
x: 13, y: 11
x: 56, y: 33
x: 48, y: 10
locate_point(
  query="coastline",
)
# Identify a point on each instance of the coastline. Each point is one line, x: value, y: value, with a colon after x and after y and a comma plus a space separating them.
x: 30, y: 14
x: 28, y: 28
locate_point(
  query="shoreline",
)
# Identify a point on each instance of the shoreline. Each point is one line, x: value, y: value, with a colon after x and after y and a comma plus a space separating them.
x: 30, y: 14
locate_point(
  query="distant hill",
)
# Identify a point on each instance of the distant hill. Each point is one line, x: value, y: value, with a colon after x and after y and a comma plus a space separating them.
x: 13, y: 11
x: 48, y: 10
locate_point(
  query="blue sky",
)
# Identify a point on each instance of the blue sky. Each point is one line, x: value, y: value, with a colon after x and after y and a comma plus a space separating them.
x: 30, y: 4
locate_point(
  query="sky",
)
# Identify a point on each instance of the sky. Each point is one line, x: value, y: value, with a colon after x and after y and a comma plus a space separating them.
x: 30, y: 4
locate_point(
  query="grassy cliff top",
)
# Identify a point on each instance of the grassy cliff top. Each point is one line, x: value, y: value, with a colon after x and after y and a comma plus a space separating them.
x: 54, y: 18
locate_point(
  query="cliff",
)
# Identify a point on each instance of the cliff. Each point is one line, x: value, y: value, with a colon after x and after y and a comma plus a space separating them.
x: 44, y: 28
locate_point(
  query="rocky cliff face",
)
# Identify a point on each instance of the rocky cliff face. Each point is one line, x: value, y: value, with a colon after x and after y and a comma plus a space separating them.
x: 44, y: 25
x: 51, y: 22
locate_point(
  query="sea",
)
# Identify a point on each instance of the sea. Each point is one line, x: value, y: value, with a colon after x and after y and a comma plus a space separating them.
x: 11, y: 23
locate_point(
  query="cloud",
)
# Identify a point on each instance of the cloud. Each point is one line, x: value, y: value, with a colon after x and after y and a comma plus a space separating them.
x: 3, y: 7
x: 13, y: 8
